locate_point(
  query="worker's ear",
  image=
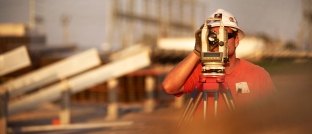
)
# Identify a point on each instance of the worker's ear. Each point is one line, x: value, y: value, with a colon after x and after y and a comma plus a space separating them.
x: 236, y: 41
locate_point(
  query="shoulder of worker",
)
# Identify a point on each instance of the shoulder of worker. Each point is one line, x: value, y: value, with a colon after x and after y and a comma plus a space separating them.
x: 252, y: 67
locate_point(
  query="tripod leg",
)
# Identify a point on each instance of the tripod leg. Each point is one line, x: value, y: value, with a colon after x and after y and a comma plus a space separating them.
x: 216, y: 97
x: 205, y: 99
x: 194, y: 107
x: 186, y: 111
x: 226, y: 100
x: 230, y: 97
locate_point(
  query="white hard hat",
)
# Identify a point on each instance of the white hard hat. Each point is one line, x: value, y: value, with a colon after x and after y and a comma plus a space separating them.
x: 227, y: 19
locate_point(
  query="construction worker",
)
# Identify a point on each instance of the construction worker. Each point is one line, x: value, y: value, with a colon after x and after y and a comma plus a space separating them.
x: 245, y: 80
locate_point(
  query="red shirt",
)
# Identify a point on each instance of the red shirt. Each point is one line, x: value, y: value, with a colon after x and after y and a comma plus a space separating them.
x: 246, y: 82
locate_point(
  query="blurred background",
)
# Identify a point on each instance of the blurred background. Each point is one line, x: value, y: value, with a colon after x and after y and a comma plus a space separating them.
x: 77, y: 66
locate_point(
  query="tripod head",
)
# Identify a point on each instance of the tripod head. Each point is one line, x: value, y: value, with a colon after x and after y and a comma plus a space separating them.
x: 213, y: 61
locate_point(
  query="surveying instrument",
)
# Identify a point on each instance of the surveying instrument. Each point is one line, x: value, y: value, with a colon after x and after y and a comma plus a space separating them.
x: 211, y: 80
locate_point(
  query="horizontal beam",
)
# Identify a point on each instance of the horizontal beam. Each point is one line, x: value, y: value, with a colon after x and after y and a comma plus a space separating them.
x: 12, y: 29
x: 130, y: 50
x: 14, y: 60
x: 178, y: 44
x: 288, y: 54
x: 44, y: 128
x: 151, y: 20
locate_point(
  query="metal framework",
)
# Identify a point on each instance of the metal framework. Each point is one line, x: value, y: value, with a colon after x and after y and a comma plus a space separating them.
x: 305, y: 33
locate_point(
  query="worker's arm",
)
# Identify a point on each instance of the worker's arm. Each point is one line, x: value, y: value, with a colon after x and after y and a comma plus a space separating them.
x: 178, y: 75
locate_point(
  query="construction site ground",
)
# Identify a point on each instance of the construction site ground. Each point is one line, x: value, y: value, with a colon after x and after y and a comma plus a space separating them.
x: 287, y: 112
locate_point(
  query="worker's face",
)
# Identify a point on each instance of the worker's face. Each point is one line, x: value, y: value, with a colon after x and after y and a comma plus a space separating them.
x: 232, y: 41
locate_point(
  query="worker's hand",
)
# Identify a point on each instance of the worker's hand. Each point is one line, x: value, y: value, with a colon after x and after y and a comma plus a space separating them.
x: 197, y: 48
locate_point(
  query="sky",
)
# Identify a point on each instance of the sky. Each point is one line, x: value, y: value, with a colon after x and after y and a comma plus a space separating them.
x: 277, y: 18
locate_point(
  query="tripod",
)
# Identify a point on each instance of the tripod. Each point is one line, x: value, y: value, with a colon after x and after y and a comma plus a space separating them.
x: 209, y: 85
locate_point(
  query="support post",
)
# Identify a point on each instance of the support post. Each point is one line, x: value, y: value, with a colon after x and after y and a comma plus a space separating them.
x: 64, y: 114
x: 4, y: 99
x: 149, y: 103
x: 112, y: 108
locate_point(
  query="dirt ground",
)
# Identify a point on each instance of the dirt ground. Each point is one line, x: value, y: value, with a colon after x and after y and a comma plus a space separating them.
x: 288, y: 112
